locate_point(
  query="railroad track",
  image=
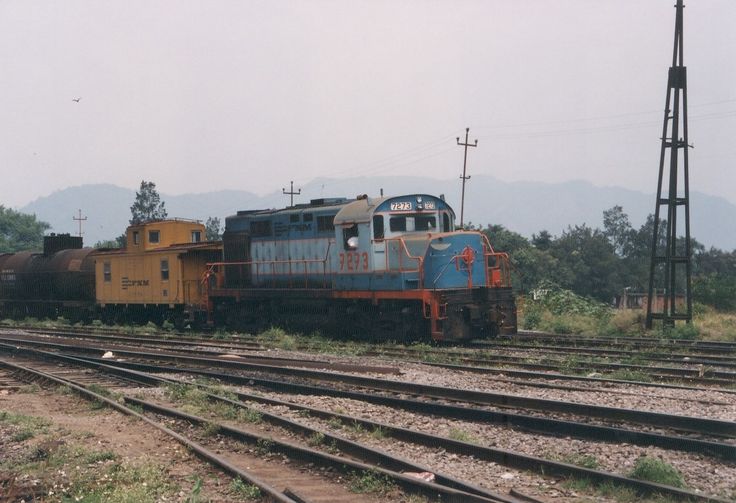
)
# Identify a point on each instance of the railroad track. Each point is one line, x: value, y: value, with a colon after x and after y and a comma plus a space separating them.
x: 696, y: 373
x: 263, y: 451
x: 712, y: 370
x: 610, y: 346
x: 586, y: 421
x: 716, y: 347
x: 251, y: 438
x: 571, y: 413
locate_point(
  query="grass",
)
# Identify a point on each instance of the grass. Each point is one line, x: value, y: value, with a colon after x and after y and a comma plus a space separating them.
x: 708, y: 323
x: 379, y: 433
x: 316, y: 439
x: 102, y: 479
x: 245, y: 491
x: 612, y: 491
x: 629, y: 375
x: 196, y: 400
x: 716, y: 326
x: 582, y: 460
x: 370, y: 482
x: 27, y: 427
x: 656, y: 470
x: 195, y: 493
x: 211, y: 429
x: 335, y: 423
x: 462, y: 436
x: 264, y: 445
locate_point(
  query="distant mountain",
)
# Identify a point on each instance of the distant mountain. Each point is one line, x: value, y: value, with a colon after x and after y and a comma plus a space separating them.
x: 524, y: 207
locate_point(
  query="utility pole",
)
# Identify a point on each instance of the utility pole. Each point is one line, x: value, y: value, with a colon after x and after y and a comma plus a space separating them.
x: 465, y: 163
x: 291, y: 193
x: 80, y: 220
x: 676, y: 254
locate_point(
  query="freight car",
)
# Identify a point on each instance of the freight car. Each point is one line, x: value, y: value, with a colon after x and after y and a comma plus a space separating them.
x: 388, y: 267
x: 58, y: 281
x: 157, y: 277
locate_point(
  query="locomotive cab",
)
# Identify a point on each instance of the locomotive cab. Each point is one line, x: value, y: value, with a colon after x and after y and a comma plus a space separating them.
x: 389, y: 238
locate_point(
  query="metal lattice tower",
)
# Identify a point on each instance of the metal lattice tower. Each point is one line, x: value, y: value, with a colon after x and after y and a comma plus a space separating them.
x: 670, y: 268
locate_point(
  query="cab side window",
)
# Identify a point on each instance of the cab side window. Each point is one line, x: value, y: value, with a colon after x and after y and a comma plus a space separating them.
x: 350, y: 237
x: 378, y: 232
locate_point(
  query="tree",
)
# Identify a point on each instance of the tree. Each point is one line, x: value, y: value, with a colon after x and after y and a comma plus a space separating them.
x: 148, y: 205
x: 20, y: 231
x: 212, y: 229
x: 592, y: 267
x: 617, y: 228
x: 542, y: 241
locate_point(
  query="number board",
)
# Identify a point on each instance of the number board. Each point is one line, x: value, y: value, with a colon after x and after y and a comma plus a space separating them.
x: 401, y: 206
x: 429, y: 205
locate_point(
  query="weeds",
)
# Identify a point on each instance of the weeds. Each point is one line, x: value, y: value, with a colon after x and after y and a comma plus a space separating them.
x: 264, y: 445
x: 316, y: 439
x: 194, y: 494
x: 250, y: 415
x: 582, y: 460
x: 335, y: 423
x: 246, y: 491
x: 656, y: 470
x: 629, y: 375
x: 211, y: 429
x: 462, y: 436
x: 371, y: 482
x: 378, y: 433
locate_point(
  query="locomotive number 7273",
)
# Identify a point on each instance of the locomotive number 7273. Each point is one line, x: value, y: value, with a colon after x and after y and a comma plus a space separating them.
x: 353, y: 261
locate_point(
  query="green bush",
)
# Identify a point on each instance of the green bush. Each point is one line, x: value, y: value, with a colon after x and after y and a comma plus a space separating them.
x: 656, y: 470
x: 687, y: 331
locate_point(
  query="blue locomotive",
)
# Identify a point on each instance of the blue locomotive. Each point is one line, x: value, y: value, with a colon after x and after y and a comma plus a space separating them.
x: 390, y: 267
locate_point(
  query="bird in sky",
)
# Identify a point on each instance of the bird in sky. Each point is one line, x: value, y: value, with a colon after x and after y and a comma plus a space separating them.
x: 77, y: 99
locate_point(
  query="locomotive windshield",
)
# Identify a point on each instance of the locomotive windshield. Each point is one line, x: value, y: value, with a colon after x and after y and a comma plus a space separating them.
x: 412, y: 223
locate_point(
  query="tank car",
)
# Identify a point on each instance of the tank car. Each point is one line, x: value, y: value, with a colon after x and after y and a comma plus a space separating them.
x: 388, y: 267
x: 59, y: 281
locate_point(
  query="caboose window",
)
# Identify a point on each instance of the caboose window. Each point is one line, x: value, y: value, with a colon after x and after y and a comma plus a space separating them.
x: 164, y: 269
x: 424, y: 223
x: 260, y: 229
x: 196, y: 236
x: 377, y: 226
x: 106, y: 272
x: 154, y: 237
x: 136, y: 238
x: 397, y: 224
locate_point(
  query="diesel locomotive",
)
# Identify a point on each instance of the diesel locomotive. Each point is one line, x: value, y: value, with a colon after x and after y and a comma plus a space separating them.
x: 386, y: 268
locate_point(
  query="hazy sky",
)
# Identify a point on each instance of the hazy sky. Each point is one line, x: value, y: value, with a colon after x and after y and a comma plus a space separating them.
x: 205, y: 95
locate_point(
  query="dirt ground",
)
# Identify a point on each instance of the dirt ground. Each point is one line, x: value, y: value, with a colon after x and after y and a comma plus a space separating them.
x: 74, y: 452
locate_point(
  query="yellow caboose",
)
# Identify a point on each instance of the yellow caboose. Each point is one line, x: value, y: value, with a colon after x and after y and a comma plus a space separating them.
x: 158, y: 276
